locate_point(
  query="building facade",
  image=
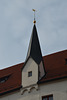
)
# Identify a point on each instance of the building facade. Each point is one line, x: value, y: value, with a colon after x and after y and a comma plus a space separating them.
x: 38, y: 78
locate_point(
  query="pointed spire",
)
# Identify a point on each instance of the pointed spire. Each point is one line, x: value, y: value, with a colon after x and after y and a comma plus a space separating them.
x: 34, y: 50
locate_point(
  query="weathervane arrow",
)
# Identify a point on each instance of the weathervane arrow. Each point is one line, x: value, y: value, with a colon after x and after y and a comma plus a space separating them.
x: 34, y: 16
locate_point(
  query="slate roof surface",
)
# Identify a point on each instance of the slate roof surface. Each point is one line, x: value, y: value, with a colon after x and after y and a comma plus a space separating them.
x: 34, y: 50
x: 55, y: 65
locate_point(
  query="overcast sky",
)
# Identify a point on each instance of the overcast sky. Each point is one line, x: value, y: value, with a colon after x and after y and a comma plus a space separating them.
x: 16, y: 23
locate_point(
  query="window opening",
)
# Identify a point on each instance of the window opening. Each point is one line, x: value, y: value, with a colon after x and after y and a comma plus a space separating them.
x: 66, y: 61
x: 50, y: 97
x: 30, y: 74
x: 4, y: 79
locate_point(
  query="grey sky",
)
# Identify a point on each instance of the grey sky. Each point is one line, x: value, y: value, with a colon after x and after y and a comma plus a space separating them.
x: 16, y: 23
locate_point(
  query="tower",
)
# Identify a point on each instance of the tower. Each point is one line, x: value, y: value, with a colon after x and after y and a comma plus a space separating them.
x: 33, y: 69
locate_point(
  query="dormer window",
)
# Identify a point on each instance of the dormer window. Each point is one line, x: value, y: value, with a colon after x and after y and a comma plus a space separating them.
x: 66, y: 61
x: 4, y: 79
x: 30, y: 74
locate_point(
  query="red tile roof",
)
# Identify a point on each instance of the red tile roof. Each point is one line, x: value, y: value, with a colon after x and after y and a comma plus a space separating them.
x: 14, y: 79
x: 55, y: 68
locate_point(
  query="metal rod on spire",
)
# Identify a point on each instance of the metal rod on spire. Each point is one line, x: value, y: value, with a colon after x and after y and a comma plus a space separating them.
x: 34, y: 16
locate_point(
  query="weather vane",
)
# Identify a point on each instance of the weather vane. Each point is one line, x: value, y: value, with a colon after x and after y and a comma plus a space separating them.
x: 34, y: 16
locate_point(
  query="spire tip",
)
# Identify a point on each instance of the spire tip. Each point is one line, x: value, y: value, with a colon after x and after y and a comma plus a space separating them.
x: 34, y: 16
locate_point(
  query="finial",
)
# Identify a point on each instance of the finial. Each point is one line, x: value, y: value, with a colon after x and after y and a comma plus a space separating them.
x: 34, y: 16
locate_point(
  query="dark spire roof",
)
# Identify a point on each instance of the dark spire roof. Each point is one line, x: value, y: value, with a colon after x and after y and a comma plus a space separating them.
x: 34, y: 50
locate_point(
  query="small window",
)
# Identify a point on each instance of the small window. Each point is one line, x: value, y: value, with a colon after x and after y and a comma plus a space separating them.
x: 30, y: 74
x: 4, y: 79
x: 50, y: 97
x: 66, y: 61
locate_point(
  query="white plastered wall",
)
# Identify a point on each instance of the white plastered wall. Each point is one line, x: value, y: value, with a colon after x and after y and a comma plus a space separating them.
x: 41, y: 69
x: 30, y: 66
x: 57, y: 88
